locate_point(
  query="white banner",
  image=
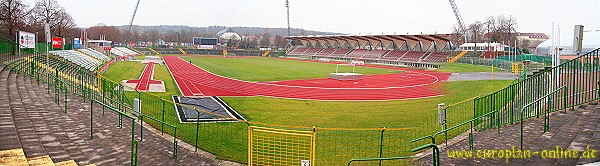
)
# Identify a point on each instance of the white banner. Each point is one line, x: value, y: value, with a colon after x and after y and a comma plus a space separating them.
x: 26, y: 39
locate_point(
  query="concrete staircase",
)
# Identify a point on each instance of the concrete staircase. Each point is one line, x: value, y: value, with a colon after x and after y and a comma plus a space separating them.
x: 31, y: 121
x: 574, y: 130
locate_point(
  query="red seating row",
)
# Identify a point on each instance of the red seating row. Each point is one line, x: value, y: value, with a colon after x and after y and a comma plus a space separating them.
x: 374, y: 54
x: 412, y: 56
x: 311, y: 51
x: 435, y: 57
x: 394, y: 55
x: 357, y: 53
x: 340, y: 53
x: 298, y: 51
x: 326, y: 52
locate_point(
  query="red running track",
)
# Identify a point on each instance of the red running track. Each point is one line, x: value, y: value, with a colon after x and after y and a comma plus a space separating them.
x: 195, y: 81
x: 143, y: 83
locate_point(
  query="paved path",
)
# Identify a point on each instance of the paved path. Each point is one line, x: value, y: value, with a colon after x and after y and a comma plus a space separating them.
x: 575, y: 130
x: 29, y: 119
x: 476, y: 76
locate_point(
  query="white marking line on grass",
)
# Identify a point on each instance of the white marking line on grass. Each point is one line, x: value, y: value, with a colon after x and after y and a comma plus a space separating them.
x: 295, y: 86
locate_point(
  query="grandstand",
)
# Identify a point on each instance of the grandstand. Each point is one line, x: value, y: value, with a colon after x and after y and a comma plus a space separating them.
x: 325, y: 52
x: 412, y: 56
x: 413, y: 49
x: 297, y: 51
x: 357, y: 53
x: 394, y: 55
x: 340, y: 53
x: 118, y: 52
x: 96, y: 54
x: 374, y: 54
x: 127, y: 51
x: 78, y: 58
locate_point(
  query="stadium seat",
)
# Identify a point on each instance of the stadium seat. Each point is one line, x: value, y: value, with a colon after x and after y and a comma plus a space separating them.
x: 393, y: 55
x: 326, y: 52
x: 357, y: 53
x: 340, y: 53
x: 96, y: 54
x: 78, y: 58
x: 311, y: 51
x: 298, y: 51
x: 374, y: 54
x: 435, y: 57
x: 412, y: 56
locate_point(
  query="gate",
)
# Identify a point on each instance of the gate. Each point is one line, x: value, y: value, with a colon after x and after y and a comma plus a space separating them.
x: 269, y: 146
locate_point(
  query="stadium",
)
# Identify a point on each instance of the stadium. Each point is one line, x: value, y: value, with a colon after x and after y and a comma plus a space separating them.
x: 328, y: 99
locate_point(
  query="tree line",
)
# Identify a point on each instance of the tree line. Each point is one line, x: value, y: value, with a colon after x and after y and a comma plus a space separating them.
x: 16, y: 15
x: 499, y: 29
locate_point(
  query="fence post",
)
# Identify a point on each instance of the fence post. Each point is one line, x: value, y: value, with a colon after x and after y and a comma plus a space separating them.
x: 141, y: 126
x: 380, y: 145
x: 497, y: 120
x: 162, y: 125
x: 175, y: 143
x: 65, y: 94
x: 91, y: 119
x: 133, y: 142
x: 197, y: 128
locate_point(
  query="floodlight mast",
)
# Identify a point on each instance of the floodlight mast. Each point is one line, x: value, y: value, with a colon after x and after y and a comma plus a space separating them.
x: 287, y: 5
x: 461, y: 24
x: 132, y: 17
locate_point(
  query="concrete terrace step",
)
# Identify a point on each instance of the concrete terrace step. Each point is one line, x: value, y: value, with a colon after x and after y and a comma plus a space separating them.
x: 32, y: 122
x: 38, y: 118
x: 8, y: 129
x: 575, y: 130
x: 29, y: 139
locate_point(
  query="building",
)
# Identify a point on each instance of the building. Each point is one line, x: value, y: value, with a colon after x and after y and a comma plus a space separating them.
x: 531, y: 40
x: 98, y: 44
x: 227, y: 34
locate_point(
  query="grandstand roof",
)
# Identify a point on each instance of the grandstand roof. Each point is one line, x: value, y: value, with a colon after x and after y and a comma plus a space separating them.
x: 438, y: 41
x: 422, y: 37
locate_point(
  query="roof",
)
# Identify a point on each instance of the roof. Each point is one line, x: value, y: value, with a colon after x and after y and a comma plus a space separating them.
x: 534, y: 35
x: 221, y: 32
x: 421, y: 37
x: 480, y: 44
x: 99, y: 41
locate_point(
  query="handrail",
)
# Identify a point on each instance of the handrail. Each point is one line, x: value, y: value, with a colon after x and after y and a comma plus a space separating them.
x: 533, y: 102
x: 379, y: 159
x: 114, y: 109
x: 453, y: 127
x: 165, y: 123
x: 436, y: 152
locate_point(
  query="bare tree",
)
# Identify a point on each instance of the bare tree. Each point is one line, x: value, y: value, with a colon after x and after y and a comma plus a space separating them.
x: 110, y: 32
x: 457, y: 38
x: 280, y: 42
x: 12, y: 17
x: 50, y: 11
x: 509, y: 27
x: 477, y: 32
x: 264, y: 41
x: 64, y: 23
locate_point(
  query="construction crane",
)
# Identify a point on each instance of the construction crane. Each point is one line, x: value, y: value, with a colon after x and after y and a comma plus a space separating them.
x: 461, y: 24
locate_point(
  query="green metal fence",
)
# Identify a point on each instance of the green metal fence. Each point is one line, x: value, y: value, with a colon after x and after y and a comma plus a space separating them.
x: 568, y: 85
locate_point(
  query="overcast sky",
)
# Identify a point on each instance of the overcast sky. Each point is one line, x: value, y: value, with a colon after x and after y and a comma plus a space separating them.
x: 344, y: 16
